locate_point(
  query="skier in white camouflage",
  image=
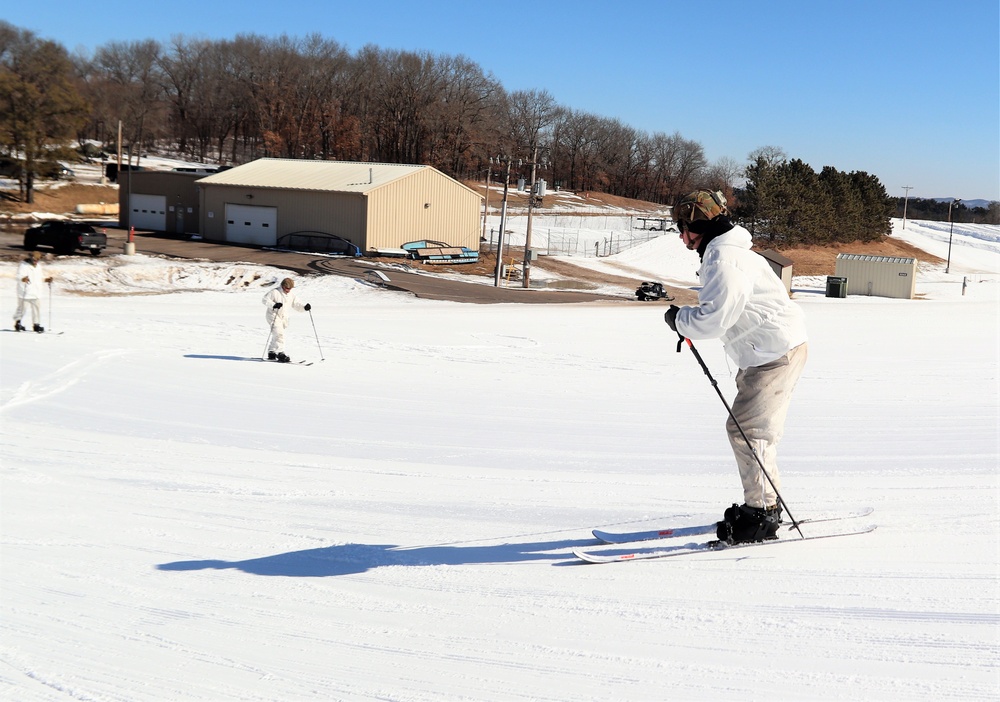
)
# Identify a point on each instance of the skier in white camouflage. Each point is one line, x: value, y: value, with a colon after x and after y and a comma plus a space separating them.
x: 743, y: 303
x: 29, y: 291
x: 278, y: 301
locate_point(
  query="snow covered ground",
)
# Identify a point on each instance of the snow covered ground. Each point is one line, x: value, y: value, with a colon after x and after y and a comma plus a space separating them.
x: 183, y: 522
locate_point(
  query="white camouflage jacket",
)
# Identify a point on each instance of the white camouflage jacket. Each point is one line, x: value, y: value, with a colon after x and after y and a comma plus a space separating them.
x: 743, y: 303
x: 288, y: 300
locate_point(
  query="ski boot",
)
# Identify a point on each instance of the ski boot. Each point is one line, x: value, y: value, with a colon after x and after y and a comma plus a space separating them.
x: 38, y: 328
x: 282, y: 358
x: 742, y: 523
x: 18, y: 326
x: 272, y: 356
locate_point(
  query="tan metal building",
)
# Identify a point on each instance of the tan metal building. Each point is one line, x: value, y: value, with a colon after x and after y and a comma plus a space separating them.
x: 160, y: 201
x: 371, y: 205
x: 883, y: 276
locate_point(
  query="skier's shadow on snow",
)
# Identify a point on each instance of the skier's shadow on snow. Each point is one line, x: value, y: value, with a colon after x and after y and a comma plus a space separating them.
x: 359, y: 558
x: 221, y: 358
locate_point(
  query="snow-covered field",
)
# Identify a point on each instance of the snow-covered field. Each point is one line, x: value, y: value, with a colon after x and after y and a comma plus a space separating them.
x: 396, y: 521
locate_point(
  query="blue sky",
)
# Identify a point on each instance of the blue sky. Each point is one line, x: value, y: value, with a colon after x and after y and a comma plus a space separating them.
x: 908, y: 91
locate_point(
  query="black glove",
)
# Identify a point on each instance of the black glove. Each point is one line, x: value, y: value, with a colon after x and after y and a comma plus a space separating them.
x: 277, y: 306
x: 307, y: 307
x: 670, y: 316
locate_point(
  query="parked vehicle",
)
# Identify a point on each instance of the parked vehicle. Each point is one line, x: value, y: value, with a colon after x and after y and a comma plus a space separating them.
x: 651, y: 291
x: 66, y: 237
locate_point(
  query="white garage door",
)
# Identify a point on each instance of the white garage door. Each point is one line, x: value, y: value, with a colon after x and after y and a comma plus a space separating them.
x: 246, y: 224
x: 149, y: 212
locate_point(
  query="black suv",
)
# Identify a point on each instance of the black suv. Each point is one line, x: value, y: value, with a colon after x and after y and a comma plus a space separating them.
x: 66, y: 237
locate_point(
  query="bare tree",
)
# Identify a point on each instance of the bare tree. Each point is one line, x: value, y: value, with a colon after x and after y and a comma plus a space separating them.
x: 403, y: 90
x: 724, y: 174
x: 530, y: 113
x: 183, y: 73
x: 132, y: 82
x: 41, y: 108
x: 574, y: 147
x: 767, y: 156
x: 461, y: 119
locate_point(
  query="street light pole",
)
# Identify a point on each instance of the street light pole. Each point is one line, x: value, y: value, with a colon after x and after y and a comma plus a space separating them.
x: 906, y: 199
x: 951, y: 231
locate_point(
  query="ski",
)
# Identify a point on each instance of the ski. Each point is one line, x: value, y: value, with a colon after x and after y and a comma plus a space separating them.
x: 287, y: 363
x: 708, y: 546
x: 652, y: 534
x: 32, y: 331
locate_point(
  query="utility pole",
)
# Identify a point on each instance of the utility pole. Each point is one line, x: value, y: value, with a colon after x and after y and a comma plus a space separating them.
x: 486, y: 205
x: 498, y: 274
x: 119, y: 148
x: 906, y: 199
x: 526, y: 264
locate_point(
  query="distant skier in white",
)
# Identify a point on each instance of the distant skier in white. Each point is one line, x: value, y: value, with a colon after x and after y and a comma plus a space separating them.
x: 278, y: 301
x: 29, y: 291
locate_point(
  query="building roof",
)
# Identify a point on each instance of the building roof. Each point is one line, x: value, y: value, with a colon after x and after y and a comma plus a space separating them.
x: 875, y: 259
x: 300, y: 174
x: 776, y: 257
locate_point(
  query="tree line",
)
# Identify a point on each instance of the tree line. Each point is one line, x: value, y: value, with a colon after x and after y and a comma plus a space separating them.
x: 942, y: 210
x: 234, y: 100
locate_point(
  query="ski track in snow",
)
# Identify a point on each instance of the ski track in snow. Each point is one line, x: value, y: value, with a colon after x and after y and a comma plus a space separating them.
x: 59, y: 380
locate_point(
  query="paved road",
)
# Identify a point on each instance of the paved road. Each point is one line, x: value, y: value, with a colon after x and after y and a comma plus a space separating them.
x: 430, y: 287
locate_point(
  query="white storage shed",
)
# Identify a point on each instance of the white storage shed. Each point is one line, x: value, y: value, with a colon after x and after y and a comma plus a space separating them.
x: 883, y: 276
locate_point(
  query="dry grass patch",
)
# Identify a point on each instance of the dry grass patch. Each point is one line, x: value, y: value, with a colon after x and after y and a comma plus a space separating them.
x: 61, y: 199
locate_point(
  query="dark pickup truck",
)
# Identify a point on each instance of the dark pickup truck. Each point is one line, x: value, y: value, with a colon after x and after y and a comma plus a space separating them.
x: 66, y: 237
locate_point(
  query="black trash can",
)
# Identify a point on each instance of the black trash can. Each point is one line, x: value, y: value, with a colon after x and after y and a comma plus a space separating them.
x: 836, y: 286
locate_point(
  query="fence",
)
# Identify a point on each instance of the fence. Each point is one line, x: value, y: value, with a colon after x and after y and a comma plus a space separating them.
x: 591, y: 244
x: 576, y: 235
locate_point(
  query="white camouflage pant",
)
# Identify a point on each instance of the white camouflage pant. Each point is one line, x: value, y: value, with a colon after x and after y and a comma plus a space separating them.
x: 761, y: 405
x: 278, y: 323
x: 31, y: 304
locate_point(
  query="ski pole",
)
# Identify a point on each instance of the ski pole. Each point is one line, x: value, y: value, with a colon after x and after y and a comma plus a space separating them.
x: 50, y: 306
x: 680, y: 342
x: 316, y: 335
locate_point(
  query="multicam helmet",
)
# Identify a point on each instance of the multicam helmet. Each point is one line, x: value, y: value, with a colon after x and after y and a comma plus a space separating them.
x: 701, y: 204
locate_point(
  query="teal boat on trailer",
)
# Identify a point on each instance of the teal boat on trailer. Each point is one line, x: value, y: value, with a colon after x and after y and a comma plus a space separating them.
x: 439, y: 253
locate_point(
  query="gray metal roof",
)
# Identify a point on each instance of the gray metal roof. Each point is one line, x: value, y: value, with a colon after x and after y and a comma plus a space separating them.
x: 297, y: 174
x: 776, y: 257
x: 875, y: 259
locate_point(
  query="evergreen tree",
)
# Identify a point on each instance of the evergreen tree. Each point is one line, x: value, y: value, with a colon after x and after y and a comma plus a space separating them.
x: 787, y: 203
x: 877, y: 207
x: 846, y: 207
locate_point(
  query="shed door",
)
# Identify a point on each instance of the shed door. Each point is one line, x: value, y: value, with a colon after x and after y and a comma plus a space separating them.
x: 148, y: 212
x: 247, y: 224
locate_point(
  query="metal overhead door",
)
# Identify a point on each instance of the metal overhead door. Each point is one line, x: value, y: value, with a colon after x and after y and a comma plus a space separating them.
x: 148, y: 212
x: 247, y: 224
